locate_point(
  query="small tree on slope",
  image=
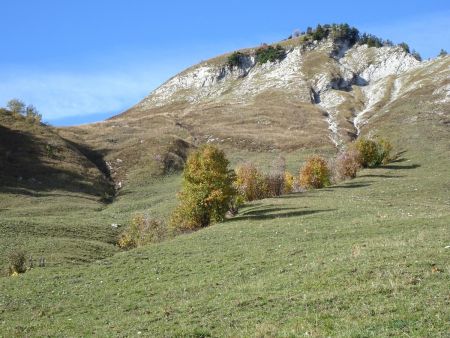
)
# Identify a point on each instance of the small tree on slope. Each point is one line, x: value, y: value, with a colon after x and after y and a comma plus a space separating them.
x: 207, y: 190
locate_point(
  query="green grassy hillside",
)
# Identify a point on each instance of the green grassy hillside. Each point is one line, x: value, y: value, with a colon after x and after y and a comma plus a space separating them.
x: 50, y: 195
x: 364, y: 258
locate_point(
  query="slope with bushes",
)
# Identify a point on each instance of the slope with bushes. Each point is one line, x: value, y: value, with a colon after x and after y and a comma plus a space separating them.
x: 365, y: 257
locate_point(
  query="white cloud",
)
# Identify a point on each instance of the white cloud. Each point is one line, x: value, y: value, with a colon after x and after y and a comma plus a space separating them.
x: 58, y: 95
x: 102, y: 85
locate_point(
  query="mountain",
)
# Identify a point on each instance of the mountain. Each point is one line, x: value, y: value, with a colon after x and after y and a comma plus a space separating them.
x: 318, y: 95
x: 361, y: 258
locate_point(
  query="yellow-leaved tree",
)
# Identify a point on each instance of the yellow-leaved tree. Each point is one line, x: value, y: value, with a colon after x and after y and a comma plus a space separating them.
x: 315, y: 174
x: 208, y: 191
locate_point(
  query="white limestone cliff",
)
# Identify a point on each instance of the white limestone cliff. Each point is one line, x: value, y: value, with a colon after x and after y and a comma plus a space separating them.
x: 380, y: 74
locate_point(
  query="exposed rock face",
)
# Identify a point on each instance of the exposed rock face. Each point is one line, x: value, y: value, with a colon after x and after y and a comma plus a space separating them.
x: 348, y: 83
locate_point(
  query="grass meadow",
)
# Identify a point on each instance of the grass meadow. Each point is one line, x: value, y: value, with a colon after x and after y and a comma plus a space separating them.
x: 364, y: 258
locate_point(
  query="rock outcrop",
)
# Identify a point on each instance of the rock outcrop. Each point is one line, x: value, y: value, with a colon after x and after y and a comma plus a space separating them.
x: 347, y: 82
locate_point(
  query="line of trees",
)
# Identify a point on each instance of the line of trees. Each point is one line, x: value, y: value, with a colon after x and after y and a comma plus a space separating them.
x: 211, y: 190
x: 346, y: 32
x: 336, y: 32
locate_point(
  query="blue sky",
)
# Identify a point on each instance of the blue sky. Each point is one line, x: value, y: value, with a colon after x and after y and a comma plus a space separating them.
x: 85, y: 60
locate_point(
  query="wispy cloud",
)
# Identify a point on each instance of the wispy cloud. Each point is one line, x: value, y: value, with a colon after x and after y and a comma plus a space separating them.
x: 100, y: 87
x: 59, y: 95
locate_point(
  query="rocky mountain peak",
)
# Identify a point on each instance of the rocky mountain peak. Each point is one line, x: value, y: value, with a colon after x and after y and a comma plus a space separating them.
x: 319, y: 72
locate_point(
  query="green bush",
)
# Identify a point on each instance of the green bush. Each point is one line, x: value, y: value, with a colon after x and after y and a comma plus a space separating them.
x: 270, y: 53
x: 368, y: 151
x: 208, y: 191
x: 315, y: 174
x: 373, y: 153
x: 416, y: 55
x: 405, y: 47
x: 344, y: 31
x: 142, y: 230
x: 385, y: 149
x: 371, y: 40
x: 235, y: 59
x: 320, y: 33
x: 335, y: 31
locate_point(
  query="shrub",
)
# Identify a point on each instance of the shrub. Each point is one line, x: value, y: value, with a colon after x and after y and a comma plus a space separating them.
x: 416, y: 55
x: 319, y: 33
x: 289, y: 182
x: 442, y: 53
x: 347, y: 164
x: 235, y: 204
x: 17, y: 260
x: 371, y: 40
x: 405, y: 47
x: 250, y: 182
x: 142, y: 230
x: 368, y: 151
x: 32, y: 114
x: 385, y: 149
x: 235, y: 59
x: 315, y: 173
x: 335, y: 31
x: 16, y: 106
x: 270, y: 53
x: 274, y: 184
x: 275, y: 178
x: 344, y: 31
x: 208, y: 190
x: 373, y: 153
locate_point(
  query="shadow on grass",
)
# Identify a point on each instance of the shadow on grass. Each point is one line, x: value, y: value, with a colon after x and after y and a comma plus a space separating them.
x: 267, y: 210
x: 382, y: 176
x: 35, y: 193
x: 349, y: 186
x: 309, y: 194
x: 266, y: 214
x: 27, y: 169
x: 401, y: 167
